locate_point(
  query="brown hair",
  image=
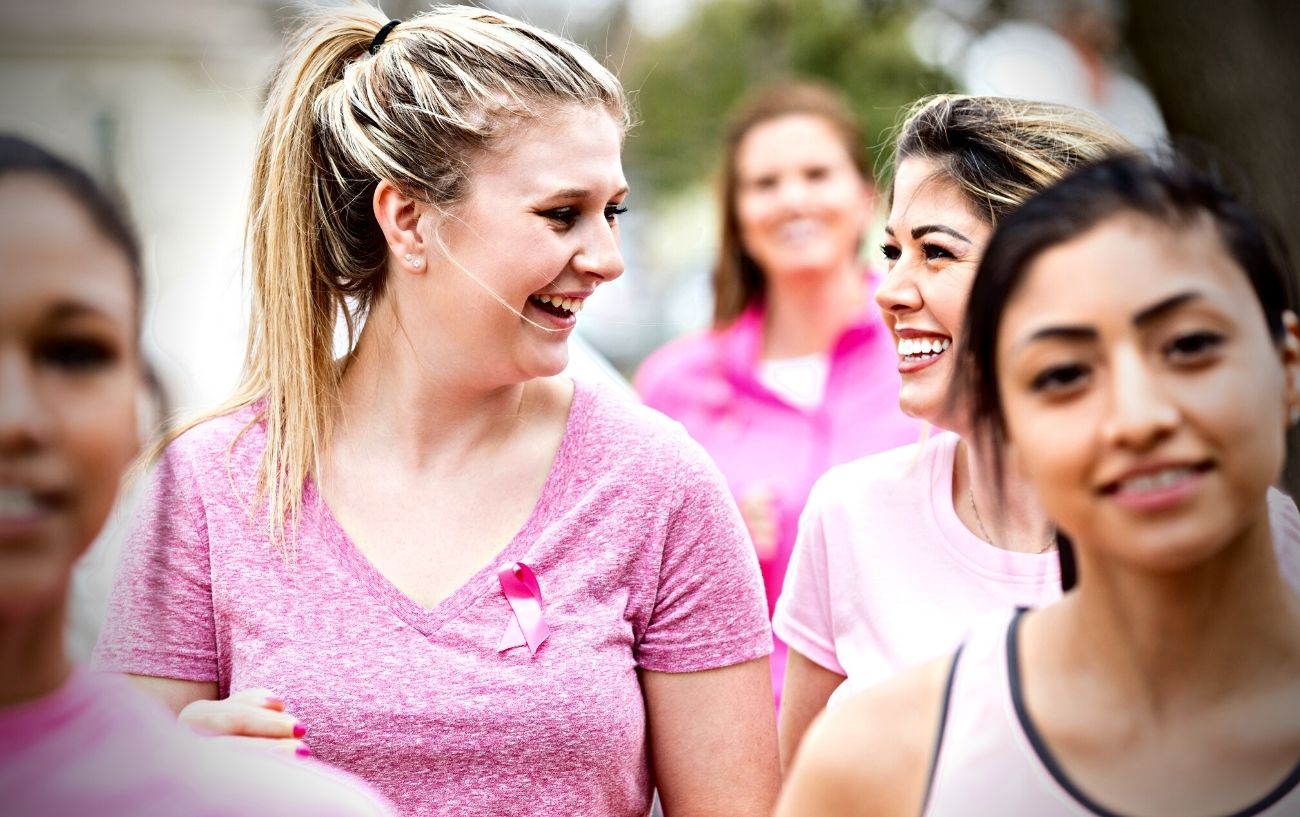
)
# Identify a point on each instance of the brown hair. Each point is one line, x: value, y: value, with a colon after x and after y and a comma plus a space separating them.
x: 443, y: 89
x: 1000, y: 151
x: 737, y: 279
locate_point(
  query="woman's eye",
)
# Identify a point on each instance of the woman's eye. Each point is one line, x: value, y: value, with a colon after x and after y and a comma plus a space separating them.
x: 934, y: 252
x: 1193, y: 347
x: 890, y: 252
x: 566, y: 216
x: 76, y: 355
x: 1059, y: 378
x: 613, y: 211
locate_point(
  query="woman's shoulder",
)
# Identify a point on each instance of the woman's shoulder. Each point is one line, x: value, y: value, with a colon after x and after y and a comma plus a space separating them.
x: 613, y: 425
x: 238, y: 435
x: 878, y: 478
x: 872, y: 753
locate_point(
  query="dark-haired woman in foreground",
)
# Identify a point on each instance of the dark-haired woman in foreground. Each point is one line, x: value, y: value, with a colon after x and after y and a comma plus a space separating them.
x: 71, y: 373
x: 1115, y: 325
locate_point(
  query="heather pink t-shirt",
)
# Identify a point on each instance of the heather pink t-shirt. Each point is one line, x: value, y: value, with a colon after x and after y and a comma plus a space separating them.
x: 886, y: 576
x: 643, y: 564
x: 96, y: 746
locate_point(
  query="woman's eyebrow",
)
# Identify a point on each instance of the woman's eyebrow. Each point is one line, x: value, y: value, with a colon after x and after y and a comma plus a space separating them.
x: 582, y: 193
x: 1158, y: 310
x: 1143, y: 317
x: 917, y: 232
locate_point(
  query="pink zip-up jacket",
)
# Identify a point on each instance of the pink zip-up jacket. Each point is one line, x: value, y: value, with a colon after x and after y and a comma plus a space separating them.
x: 709, y: 381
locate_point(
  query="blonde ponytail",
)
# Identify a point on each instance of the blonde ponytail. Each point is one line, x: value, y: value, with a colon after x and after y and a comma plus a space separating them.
x: 444, y: 88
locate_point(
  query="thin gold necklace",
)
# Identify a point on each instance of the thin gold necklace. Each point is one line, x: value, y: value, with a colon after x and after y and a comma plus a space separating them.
x: 970, y: 494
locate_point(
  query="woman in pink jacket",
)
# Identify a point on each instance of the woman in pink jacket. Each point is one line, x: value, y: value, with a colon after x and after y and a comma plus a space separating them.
x: 797, y: 373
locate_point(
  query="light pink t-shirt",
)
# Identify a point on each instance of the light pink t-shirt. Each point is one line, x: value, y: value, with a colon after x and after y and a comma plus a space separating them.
x: 885, y: 576
x: 642, y: 561
x: 96, y: 746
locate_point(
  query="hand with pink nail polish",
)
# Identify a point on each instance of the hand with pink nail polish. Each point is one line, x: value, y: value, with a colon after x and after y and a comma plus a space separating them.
x: 251, y: 716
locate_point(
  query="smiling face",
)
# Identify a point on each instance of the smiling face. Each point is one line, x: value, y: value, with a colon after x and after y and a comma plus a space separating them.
x: 1143, y: 394
x: 69, y: 379
x: 801, y: 204
x: 534, y: 237
x: 932, y: 248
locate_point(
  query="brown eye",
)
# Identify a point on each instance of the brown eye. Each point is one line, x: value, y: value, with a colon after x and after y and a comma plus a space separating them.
x: 76, y: 355
x: 890, y: 252
x: 564, y: 216
x: 933, y: 252
x: 1059, y: 379
x: 1193, y: 347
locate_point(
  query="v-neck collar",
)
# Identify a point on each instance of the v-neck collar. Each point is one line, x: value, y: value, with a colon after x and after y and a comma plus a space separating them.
x: 428, y: 621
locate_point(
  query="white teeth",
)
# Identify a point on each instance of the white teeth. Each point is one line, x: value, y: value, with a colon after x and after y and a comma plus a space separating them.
x: 799, y: 229
x: 1156, y: 481
x: 17, y: 502
x: 571, y: 304
x: 912, y: 347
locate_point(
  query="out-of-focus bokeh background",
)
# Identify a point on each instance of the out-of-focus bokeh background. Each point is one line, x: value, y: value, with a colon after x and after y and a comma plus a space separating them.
x: 161, y: 98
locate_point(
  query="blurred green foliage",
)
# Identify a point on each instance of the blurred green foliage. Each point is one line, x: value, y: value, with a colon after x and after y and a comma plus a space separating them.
x: 685, y: 84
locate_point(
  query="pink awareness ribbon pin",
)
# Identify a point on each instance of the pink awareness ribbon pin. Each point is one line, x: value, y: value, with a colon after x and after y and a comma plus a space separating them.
x: 526, y: 625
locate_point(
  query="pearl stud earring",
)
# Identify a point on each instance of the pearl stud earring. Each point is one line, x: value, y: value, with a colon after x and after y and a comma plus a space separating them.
x: 414, y: 260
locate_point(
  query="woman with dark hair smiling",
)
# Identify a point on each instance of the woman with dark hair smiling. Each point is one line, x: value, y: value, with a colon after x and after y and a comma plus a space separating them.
x: 1168, y: 681
x: 899, y: 552
x: 71, y: 374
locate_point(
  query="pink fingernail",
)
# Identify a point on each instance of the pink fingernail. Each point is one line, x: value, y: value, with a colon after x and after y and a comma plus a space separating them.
x: 303, y: 751
x: 299, y: 731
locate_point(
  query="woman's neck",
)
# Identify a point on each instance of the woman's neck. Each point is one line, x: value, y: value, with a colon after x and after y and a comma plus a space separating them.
x: 806, y: 313
x: 1012, y: 519
x: 400, y: 408
x: 1173, y: 641
x: 32, y: 659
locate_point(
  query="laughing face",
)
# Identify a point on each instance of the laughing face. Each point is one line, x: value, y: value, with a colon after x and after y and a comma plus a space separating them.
x: 801, y: 204
x: 515, y: 262
x: 69, y: 379
x: 932, y: 248
x: 1144, y: 396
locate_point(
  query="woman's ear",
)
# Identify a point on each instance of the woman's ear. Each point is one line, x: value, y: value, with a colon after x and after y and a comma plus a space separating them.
x: 1291, y: 365
x: 399, y: 218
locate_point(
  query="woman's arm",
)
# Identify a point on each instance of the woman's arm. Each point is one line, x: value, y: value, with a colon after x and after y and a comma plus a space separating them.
x: 250, y: 715
x: 873, y: 754
x: 713, y: 740
x: 808, y: 686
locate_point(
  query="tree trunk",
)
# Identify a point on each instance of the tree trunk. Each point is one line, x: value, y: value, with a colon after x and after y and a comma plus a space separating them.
x: 1227, y: 78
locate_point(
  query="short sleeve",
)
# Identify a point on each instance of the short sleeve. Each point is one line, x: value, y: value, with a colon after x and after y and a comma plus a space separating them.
x: 710, y: 609
x: 160, y: 619
x: 803, y: 611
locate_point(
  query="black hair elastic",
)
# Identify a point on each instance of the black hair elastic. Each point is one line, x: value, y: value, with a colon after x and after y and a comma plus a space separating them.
x: 382, y: 35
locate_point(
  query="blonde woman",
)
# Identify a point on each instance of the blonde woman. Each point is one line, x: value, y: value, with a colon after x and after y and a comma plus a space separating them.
x: 900, y: 551
x: 478, y: 586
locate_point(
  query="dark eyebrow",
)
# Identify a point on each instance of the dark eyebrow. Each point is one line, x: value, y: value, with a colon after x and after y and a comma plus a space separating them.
x: 1159, y: 310
x: 1061, y: 332
x: 68, y: 310
x: 1142, y: 318
x: 917, y: 232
